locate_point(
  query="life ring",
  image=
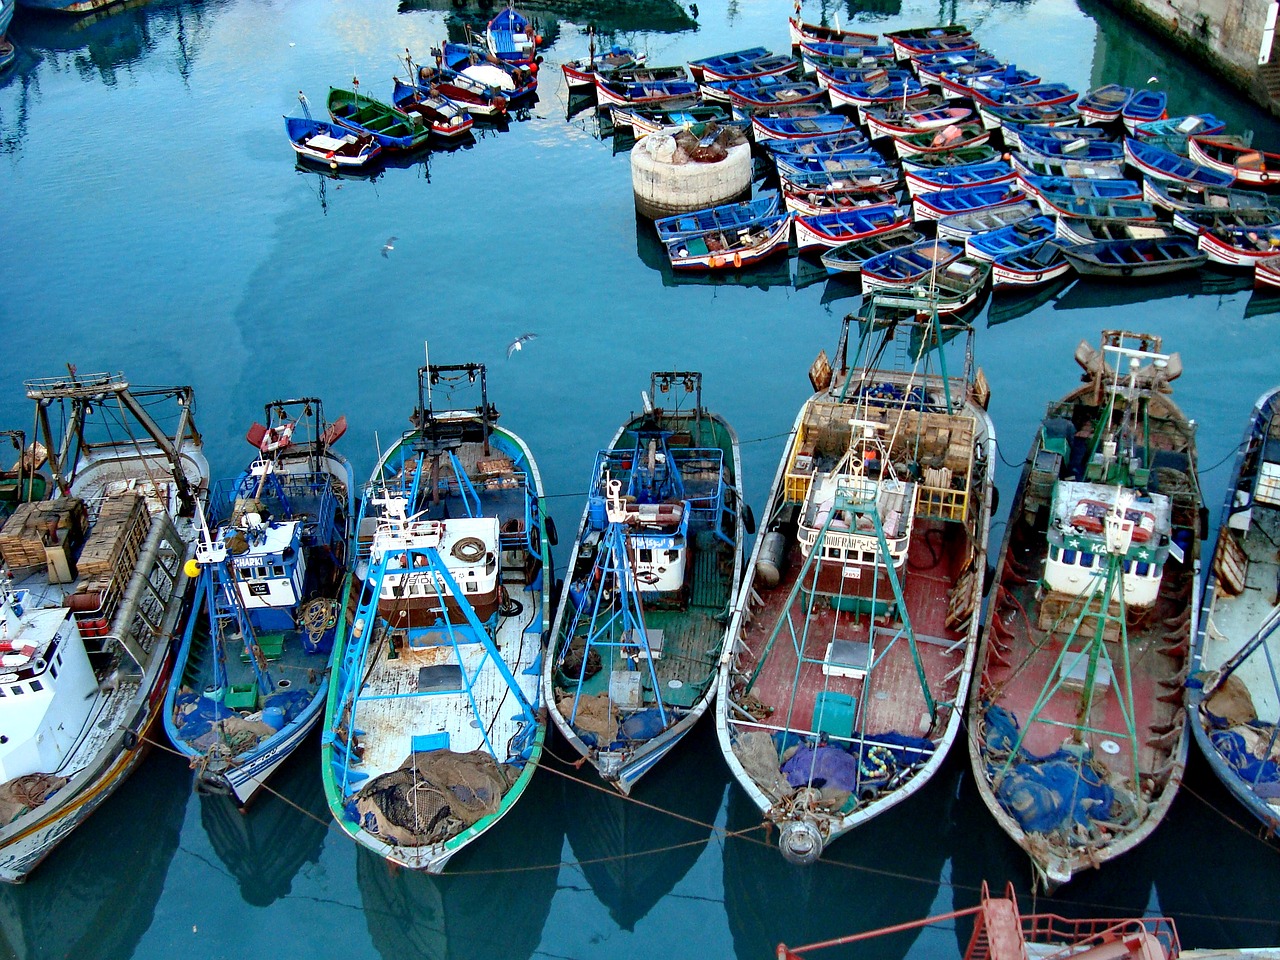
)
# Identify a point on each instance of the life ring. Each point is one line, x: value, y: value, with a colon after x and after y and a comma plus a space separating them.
x: 469, y: 549
x: 737, y: 258
x: 277, y: 438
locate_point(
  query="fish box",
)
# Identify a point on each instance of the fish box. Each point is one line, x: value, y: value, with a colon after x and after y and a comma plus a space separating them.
x: 241, y: 696
x: 624, y: 689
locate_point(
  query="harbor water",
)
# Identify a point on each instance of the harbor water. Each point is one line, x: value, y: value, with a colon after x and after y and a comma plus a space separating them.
x: 154, y: 223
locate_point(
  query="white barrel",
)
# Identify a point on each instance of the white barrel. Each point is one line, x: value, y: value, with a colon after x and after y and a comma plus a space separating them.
x: 769, y: 563
x: 663, y: 188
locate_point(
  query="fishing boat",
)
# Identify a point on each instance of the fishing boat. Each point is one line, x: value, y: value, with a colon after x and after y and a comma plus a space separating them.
x: 848, y: 257
x: 512, y: 39
x: 1071, y: 204
x: 696, y: 67
x: 727, y: 216
x: 825, y: 75
x: 1172, y: 133
x: 848, y: 163
x: 885, y: 123
x: 767, y: 93
x: 622, y: 93
x: 1082, y: 230
x: 963, y: 175
x: 1136, y: 258
x: 872, y: 92
x: 828, y: 230
x: 432, y: 726
x: 803, y: 128
x: 477, y: 98
x: 986, y: 81
x: 816, y: 54
x: 643, y: 120
x: 814, y: 194
x: 96, y: 588
x: 853, y: 140
x: 802, y: 32
x: 1104, y: 104
x: 774, y: 65
x: 932, y: 67
x: 993, y: 91
x: 1037, y: 115
x: 392, y: 128
x: 909, y: 266
x: 1266, y: 276
x: 940, y: 39
x: 853, y: 639
x: 476, y: 63
x: 731, y: 248
x: 1193, y: 221
x: 949, y: 158
x: 250, y: 679
x: 959, y: 226
x: 957, y: 136
x: 655, y: 569
x: 1233, y: 157
x: 1067, y: 134
x: 1143, y: 107
x: 1057, y: 188
x: 319, y: 141
x: 1177, y: 195
x: 991, y: 244
x: 1028, y: 164
x: 1032, y: 266
x: 1231, y: 693
x: 1157, y: 163
x: 1077, y: 736
x: 945, y: 292
x: 945, y: 203
x: 1239, y: 246
x: 445, y: 118
x: 579, y: 74
x: 1063, y: 142
x: 1001, y: 932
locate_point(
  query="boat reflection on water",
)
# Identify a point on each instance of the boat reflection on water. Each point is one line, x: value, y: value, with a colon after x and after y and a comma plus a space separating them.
x: 1095, y: 295
x: 773, y: 272
x: 266, y: 846
x: 493, y: 900
x: 607, y: 16
x: 1010, y: 305
x: 96, y: 894
x: 889, y: 870
x: 322, y: 182
x: 1263, y: 303
x: 631, y: 854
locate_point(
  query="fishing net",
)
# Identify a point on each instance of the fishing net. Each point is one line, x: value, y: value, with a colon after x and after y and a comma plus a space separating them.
x: 433, y: 796
x: 759, y: 758
x: 595, y: 717
x: 22, y: 793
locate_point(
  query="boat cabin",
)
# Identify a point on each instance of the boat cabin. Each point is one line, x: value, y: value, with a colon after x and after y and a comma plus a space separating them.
x: 47, y: 687
x: 1090, y: 521
x: 270, y: 571
x: 425, y: 562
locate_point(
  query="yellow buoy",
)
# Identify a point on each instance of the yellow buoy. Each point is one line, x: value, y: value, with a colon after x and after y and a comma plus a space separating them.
x: 191, y: 568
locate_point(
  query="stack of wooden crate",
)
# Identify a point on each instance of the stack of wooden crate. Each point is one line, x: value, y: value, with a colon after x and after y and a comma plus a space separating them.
x: 35, y: 526
x: 115, y: 540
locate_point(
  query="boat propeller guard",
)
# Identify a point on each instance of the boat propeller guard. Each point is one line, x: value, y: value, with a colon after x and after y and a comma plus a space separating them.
x: 800, y: 842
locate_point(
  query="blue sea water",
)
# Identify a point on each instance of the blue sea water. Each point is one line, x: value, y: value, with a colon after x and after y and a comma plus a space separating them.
x: 154, y: 223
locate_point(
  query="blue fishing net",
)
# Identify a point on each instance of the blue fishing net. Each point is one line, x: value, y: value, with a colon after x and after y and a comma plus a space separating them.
x: 196, y: 723
x: 1250, y: 768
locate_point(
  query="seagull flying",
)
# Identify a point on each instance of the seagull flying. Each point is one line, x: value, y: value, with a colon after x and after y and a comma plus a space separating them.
x: 519, y: 342
x: 389, y: 245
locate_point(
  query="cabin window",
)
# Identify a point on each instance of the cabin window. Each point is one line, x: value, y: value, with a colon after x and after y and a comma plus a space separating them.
x: 1086, y: 559
x: 1068, y: 557
x: 277, y: 570
x: 36, y: 686
x: 673, y: 555
x: 646, y: 555
x: 17, y: 691
x: 58, y: 659
x: 1128, y: 565
x: 1144, y: 569
x: 472, y: 587
x: 1054, y: 553
x: 53, y: 670
x: 2, y: 693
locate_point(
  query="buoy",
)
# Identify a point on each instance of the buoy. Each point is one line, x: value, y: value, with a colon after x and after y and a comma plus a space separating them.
x: 191, y: 568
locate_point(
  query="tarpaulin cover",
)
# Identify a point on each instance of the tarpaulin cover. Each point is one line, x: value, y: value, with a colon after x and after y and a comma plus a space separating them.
x: 1234, y: 747
x: 822, y: 767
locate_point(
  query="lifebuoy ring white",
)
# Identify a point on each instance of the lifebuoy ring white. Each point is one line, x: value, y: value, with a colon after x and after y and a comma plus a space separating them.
x: 277, y: 438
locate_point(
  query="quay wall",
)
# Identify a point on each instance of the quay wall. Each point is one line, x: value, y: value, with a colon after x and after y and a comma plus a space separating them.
x: 1235, y: 38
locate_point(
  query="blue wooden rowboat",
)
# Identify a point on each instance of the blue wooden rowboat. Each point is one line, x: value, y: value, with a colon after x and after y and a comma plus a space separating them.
x: 1237, y: 641
x: 860, y: 180
x: 766, y: 93
x: 1074, y: 148
x: 619, y: 93
x: 727, y: 216
x: 813, y: 56
x: 475, y: 63
x: 1074, y: 205
x: 1010, y: 94
x: 696, y: 67
x: 965, y: 175
x: 1104, y: 104
x: 730, y: 249
x: 1048, y: 115
x: 445, y: 118
x: 944, y: 203
x: 875, y: 91
x: 817, y: 146
x: 925, y: 40
x: 1162, y: 164
x: 821, y: 193
x: 986, y: 84
x: 1031, y: 266
x: 1146, y: 257
x: 1143, y: 106
x: 769, y: 66
x: 512, y: 38
x: 908, y: 265
x: 826, y: 230
x: 846, y: 162
x: 1017, y: 236
x: 850, y: 256
x: 1172, y: 133
x: 1239, y: 246
x: 961, y: 226
x: 802, y: 128
x: 1068, y: 133
x: 863, y: 73
x: 900, y: 124
x: 929, y: 67
x: 1175, y: 196
x: 1028, y: 164
x: 327, y: 143
x: 1039, y: 187
x: 983, y: 153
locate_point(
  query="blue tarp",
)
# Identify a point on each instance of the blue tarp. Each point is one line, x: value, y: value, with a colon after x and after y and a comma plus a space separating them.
x: 200, y: 721
x: 1251, y: 769
x: 1055, y: 792
x: 822, y: 766
x: 837, y: 767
